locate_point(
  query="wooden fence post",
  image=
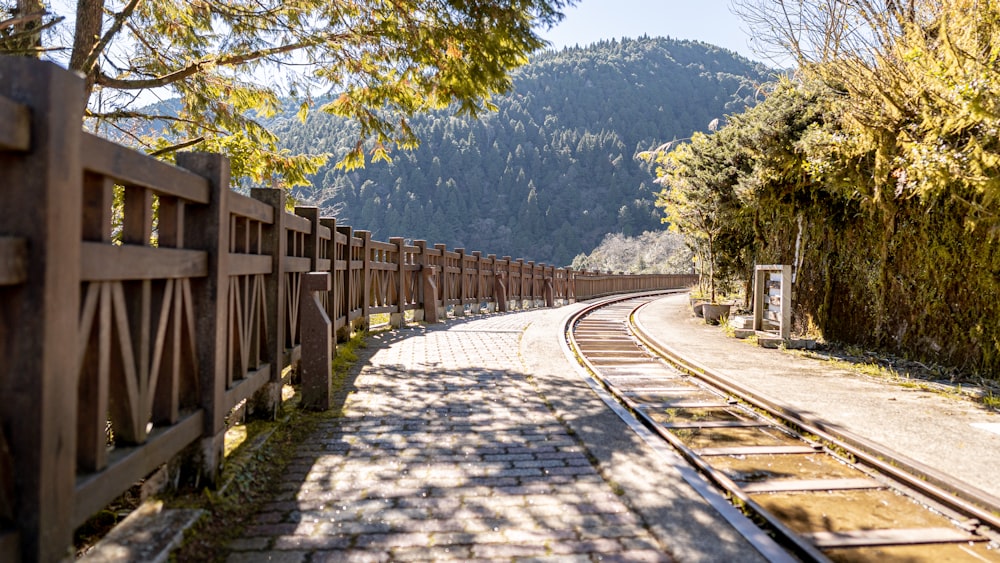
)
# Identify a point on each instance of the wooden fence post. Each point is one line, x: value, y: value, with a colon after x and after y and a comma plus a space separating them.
x: 207, y: 228
x: 550, y: 288
x: 366, y: 280
x: 522, y: 281
x: 312, y: 250
x: 326, y: 263
x: 491, y: 284
x: 540, y: 283
x: 420, y: 297
x: 274, y: 243
x: 443, y: 280
x: 463, y: 285
x: 317, y: 338
x: 315, y: 324
x: 532, y: 285
x: 40, y: 204
x: 568, y: 285
x: 346, y: 291
x: 428, y: 310
x: 479, y: 285
x: 398, y: 318
x: 503, y: 281
x: 333, y: 299
x: 429, y: 281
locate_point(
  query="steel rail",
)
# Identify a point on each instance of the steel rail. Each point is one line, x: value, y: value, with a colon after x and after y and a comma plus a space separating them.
x: 954, y: 500
x: 956, y: 495
x: 764, y: 544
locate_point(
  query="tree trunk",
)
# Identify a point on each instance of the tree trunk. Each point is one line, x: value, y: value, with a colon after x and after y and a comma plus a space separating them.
x: 31, y: 42
x: 701, y: 272
x: 89, y: 14
x: 711, y: 266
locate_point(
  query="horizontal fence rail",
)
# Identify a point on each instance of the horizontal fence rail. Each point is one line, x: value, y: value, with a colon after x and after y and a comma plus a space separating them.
x: 141, y: 303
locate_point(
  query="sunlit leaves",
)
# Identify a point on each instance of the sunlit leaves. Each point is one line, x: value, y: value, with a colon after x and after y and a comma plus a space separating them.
x: 923, y: 104
x: 699, y: 197
x: 951, y: 142
x: 230, y: 61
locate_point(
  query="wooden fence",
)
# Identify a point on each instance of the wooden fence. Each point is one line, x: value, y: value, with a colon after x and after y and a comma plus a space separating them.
x: 130, y: 329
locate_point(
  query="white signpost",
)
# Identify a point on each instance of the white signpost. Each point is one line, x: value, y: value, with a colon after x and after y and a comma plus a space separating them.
x: 772, y: 300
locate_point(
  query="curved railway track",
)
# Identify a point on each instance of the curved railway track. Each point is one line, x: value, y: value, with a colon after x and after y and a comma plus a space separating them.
x: 820, y: 495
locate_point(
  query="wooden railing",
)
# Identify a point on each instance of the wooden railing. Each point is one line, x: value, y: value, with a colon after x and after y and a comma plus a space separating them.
x: 141, y: 302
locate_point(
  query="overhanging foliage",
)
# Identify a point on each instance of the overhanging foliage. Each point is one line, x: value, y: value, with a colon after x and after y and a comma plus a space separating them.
x: 229, y: 62
x: 877, y: 177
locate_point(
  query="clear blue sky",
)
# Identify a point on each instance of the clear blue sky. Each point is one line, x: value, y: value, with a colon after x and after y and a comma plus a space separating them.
x: 710, y: 21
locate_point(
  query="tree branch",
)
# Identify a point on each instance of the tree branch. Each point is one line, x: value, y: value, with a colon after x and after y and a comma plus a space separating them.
x: 123, y: 114
x: 195, y: 68
x: 87, y: 67
x: 178, y: 146
x: 21, y: 20
x: 22, y: 39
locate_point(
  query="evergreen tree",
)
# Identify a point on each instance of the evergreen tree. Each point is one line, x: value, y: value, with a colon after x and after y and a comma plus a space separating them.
x: 569, y: 129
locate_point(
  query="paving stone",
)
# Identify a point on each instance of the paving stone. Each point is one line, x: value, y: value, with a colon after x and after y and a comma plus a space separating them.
x: 494, y: 481
x: 248, y: 544
x: 267, y: 557
x: 601, y: 546
x: 517, y: 472
x: 638, y: 543
x: 271, y: 530
x: 435, y: 525
x: 350, y: 557
x: 312, y: 543
x: 570, y: 470
x: 437, y: 553
x: 563, y: 558
x: 539, y: 536
x: 541, y: 463
x: 611, y: 531
x: 445, y: 452
x: 269, y: 517
x: 509, y: 550
x: 283, y: 506
x: 457, y: 538
x: 537, y: 488
x: 392, y: 540
x: 509, y: 457
x: 637, y: 556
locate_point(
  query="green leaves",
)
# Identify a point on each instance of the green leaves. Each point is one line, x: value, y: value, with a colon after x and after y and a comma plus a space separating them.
x: 924, y: 109
x: 230, y: 61
x: 557, y: 129
x: 887, y: 148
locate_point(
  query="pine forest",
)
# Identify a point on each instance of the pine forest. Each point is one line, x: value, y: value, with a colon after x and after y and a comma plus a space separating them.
x: 552, y: 171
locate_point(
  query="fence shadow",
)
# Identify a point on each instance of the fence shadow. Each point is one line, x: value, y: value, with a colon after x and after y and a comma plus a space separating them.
x: 471, y: 462
x: 157, y: 298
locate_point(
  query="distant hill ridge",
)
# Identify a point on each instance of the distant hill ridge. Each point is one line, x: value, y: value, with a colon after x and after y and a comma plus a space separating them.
x: 550, y: 173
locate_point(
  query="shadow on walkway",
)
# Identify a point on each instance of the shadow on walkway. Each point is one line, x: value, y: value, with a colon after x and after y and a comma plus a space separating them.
x: 432, y: 460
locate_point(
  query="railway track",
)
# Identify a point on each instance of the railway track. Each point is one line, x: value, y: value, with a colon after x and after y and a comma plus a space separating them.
x: 818, y: 495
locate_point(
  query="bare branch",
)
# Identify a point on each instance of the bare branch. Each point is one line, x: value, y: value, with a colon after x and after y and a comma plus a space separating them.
x: 135, y: 138
x: 178, y: 146
x: 121, y: 115
x: 195, y: 68
x: 87, y: 67
x: 21, y: 20
x: 24, y: 34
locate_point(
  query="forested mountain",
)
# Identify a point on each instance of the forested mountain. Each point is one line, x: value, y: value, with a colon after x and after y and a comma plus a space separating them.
x: 553, y: 171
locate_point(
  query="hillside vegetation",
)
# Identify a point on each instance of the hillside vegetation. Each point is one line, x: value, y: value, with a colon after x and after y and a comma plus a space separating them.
x: 652, y: 252
x: 553, y: 171
x: 877, y: 175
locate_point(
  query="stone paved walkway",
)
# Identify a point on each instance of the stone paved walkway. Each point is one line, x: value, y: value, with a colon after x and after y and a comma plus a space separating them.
x: 447, y: 450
